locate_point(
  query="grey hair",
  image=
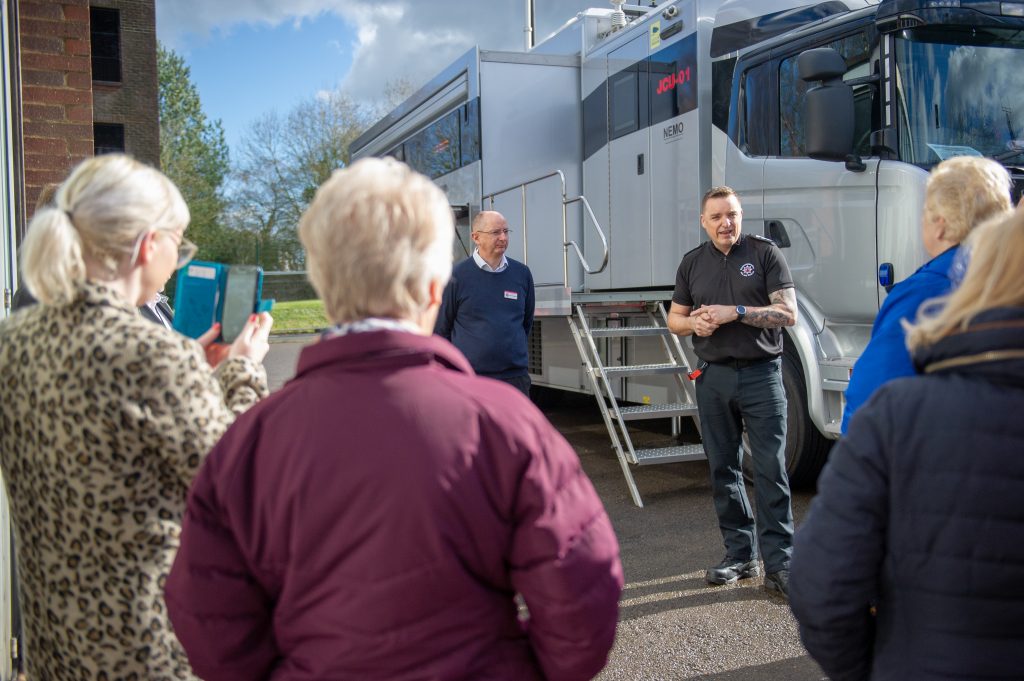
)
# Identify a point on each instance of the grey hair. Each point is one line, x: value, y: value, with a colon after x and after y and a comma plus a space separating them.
x: 966, y: 191
x: 376, y: 234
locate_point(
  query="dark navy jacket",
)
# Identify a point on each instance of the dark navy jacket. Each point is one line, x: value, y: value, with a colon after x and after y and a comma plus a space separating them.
x: 920, y: 513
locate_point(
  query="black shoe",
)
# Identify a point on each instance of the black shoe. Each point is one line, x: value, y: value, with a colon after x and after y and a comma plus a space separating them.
x: 729, y: 571
x: 778, y: 583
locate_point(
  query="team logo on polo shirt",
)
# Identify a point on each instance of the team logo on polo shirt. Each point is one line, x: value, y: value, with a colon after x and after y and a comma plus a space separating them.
x: 747, y: 270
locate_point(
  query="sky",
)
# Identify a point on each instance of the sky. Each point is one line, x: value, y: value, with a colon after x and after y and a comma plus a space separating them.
x: 250, y: 57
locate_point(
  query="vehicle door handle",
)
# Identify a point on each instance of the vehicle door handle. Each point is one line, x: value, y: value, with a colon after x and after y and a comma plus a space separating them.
x: 776, y: 231
x: 639, y: 164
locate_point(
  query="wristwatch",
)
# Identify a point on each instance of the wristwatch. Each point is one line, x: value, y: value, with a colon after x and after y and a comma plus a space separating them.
x: 740, y: 311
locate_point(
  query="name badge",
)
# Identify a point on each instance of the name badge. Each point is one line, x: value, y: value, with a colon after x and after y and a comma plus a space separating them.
x: 511, y: 295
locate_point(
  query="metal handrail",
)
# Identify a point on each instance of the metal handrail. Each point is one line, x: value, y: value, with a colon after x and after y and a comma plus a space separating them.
x: 565, y: 227
x: 600, y: 232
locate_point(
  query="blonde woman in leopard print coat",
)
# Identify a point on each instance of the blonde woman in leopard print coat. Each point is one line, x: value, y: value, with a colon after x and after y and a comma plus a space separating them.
x: 106, y: 419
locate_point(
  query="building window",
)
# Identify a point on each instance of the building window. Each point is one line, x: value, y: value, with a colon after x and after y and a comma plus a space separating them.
x: 105, y: 29
x: 108, y: 138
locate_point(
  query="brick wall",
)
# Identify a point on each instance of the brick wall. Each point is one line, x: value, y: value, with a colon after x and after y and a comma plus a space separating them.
x: 60, y: 102
x: 133, y: 102
x: 56, y: 90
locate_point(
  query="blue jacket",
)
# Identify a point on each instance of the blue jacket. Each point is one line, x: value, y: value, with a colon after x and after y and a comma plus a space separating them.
x: 886, y: 356
x: 919, y: 514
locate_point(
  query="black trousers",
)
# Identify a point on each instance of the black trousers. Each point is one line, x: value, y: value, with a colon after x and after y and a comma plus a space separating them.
x: 520, y: 383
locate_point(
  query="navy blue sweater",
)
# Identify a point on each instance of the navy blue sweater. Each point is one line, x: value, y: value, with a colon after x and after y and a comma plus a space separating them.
x: 488, y: 315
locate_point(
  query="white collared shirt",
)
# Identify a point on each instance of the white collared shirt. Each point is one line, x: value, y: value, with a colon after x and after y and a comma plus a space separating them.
x: 153, y: 306
x: 482, y: 264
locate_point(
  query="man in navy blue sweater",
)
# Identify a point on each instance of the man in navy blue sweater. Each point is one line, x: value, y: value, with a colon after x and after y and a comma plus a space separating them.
x: 487, y: 308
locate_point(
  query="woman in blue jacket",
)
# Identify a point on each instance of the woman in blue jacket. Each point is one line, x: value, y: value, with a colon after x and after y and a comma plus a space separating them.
x: 910, y: 564
x: 961, y: 193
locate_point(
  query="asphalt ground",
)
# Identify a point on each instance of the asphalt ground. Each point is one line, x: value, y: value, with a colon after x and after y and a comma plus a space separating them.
x: 672, y: 626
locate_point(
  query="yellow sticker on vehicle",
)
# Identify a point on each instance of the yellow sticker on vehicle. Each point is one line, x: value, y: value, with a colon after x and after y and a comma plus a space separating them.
x: 656, y: 35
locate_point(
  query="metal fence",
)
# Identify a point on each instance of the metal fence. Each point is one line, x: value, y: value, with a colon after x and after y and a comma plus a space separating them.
x: 287, y: 286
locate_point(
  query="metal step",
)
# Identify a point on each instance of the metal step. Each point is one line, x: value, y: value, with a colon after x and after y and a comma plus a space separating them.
x: 628, y: 331
x: 657, y: 411
x: 650, y: 457
x: 646, y: 369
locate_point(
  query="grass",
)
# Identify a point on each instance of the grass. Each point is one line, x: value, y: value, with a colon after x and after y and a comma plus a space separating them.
x: 299, y: 316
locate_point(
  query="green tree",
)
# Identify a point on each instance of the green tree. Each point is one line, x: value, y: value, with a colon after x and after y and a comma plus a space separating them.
x: 194, y: 154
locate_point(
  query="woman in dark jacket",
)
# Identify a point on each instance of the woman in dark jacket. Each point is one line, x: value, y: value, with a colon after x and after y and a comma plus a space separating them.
x: 377, y: 519
x: 910, y: 564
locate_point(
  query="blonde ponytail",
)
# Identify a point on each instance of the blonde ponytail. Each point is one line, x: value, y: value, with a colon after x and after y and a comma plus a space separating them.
x: 51, y: 257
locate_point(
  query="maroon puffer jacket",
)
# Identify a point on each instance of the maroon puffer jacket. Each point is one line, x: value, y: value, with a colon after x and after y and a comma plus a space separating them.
x: 374, y: 519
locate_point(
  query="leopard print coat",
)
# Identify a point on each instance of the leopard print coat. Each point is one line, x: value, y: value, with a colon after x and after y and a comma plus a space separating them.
x: 106, y: 418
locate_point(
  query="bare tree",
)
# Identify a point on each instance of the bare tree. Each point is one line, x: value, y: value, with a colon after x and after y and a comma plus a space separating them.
x: 282, y: 161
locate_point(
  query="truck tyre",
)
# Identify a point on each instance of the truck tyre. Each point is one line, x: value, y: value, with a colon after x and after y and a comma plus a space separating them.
x: 806, y: 448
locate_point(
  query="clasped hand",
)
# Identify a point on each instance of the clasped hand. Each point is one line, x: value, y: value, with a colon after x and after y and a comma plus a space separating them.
x: 707, y: 318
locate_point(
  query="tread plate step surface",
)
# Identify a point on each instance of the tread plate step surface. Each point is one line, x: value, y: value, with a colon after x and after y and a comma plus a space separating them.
x: 642, y: 369
x: 626, y: 331
x: 657, y: 411
x: 650, y: 457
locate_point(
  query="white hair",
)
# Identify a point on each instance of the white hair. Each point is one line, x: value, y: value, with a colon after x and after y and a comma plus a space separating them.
x: 100, y: 210
x: 376, y: 234
x: 966, y: 191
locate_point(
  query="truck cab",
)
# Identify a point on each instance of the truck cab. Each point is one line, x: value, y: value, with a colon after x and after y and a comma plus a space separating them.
x: 841, y: 191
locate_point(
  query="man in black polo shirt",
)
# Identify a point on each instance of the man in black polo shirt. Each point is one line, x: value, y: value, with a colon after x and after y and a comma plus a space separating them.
x: 734, y: 293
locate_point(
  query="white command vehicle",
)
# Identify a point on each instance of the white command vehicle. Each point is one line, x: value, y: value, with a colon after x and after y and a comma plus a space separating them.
x: 598, y: 143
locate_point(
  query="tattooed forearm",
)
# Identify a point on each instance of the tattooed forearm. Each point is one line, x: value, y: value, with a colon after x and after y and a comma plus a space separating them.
x: 782, y: 311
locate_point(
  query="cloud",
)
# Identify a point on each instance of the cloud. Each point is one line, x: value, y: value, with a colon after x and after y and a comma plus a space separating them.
x: 395, y: 39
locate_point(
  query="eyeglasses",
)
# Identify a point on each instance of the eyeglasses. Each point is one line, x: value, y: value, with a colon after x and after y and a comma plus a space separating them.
x: 496, y: 232
x: 186, y: 249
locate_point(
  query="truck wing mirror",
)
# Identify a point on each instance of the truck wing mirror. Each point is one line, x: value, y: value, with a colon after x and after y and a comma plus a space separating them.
x: 829, y: 106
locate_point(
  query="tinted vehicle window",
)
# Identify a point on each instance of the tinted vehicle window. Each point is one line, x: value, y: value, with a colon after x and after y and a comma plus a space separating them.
x: 756, y: 123
x: 595, y: 120
x: 673, y: 80
x: 435, y: 150
x: 721, y: 92
x: 625, y: 102
x: 856, y: 50
x: 470, y: 132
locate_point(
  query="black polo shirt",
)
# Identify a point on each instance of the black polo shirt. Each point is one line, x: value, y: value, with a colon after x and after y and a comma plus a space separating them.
x: 753, y: 269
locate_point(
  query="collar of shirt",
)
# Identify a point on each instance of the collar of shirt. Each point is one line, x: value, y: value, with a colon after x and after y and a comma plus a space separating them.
x: 153, y: 306
x: 482, y: 264
x: 371, y: 324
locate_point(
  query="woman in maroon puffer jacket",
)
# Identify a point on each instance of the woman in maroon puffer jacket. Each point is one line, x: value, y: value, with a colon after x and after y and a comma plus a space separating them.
x: 376, y: 517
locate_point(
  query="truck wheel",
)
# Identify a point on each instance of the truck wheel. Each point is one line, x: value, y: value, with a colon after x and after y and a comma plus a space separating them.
x: 806, y: 448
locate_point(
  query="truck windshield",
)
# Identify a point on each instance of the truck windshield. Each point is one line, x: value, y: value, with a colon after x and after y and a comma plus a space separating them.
x: 960, y: 91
